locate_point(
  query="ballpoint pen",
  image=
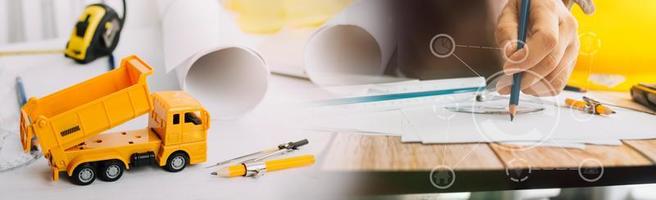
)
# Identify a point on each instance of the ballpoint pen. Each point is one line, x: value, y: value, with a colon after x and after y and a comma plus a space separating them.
x: 517, y: 77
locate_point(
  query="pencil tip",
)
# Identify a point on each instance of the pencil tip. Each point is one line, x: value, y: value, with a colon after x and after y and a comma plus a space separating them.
x: 214, y: 173
x: 513, y: 110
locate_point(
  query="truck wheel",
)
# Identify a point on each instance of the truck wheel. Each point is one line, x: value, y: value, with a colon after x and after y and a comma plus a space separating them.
x: 83, y: 174
x: 177, y: 162
x: 111, y: 170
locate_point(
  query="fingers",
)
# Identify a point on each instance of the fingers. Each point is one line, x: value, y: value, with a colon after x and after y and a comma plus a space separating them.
x: 551, y: 48
x: 503, y: 84
x: 542, y: 37
x: 550, y: 63
x: 507, y: 24
x: 554, y: 82
x: 566, y: 65
x: 546, y: 66
x: 586, y: 5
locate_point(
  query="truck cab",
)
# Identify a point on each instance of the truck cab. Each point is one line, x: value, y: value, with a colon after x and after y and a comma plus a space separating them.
x: 181, y: 123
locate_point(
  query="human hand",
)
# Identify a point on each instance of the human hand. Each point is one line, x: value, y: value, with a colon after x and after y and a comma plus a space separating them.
x: 550, y: 52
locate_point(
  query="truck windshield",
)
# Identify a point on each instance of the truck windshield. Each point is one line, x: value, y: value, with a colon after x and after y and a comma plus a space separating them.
x: 192, y: 117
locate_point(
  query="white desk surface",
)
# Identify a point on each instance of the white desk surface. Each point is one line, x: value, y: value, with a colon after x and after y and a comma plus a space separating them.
x: 261, y: 128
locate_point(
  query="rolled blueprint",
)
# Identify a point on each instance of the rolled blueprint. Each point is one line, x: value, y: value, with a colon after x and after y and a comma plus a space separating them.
x: 355, y: 44
x: 202, y: 47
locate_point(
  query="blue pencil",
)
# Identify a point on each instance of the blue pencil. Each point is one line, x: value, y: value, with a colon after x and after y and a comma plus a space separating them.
x: 20, y: 92
x: 517, y: 77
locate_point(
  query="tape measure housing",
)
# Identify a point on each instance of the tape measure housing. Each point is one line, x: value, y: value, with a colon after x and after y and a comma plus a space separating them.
x: 96, y: 34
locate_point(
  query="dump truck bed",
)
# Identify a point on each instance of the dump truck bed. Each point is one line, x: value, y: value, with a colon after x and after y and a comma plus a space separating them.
x: 68, y: 117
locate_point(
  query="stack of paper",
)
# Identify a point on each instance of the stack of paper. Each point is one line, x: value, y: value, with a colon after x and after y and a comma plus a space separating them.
x: 428, y: 120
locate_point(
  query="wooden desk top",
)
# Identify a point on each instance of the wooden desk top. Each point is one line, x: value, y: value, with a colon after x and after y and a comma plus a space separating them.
x: 356, y: 152
x: 386, y: 158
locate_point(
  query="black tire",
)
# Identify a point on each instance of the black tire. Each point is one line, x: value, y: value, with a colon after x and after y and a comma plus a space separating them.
x: 83, y: 174
x: 177, y: 161
x: 111, y: 170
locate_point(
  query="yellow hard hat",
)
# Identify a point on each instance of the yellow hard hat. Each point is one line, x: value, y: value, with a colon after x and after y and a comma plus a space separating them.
x: 617, y: 45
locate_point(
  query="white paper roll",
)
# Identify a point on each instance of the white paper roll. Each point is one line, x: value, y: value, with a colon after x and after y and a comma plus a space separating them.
x: 202, y: 45
x: 284, y: 51
x: 358, y: 42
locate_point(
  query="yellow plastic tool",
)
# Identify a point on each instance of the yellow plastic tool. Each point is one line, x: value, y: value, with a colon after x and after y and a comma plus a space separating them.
x: 589, y: 106
x: 286, y: 163
x: 617, y: 45
x: 95, y: 34
x: 70, y: 126
x: 645, y: 94
x: 257, y: 168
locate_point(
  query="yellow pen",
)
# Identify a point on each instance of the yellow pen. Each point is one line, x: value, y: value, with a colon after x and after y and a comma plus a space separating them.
x: 258, y: 168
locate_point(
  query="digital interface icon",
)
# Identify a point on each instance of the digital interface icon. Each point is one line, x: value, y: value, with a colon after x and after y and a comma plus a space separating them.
x: 518, y: 174
x: 442, y: 45
x: 591, y: 170
x: 442, y: 177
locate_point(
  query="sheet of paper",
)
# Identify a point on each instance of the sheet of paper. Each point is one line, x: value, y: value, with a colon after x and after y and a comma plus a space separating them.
x: 434, y: 125
x: 559, y: 144
x: 11, y: 152
x: 429, y: 122
x: 410, y: 138
x: 374, y: 122
x: 576, y: 144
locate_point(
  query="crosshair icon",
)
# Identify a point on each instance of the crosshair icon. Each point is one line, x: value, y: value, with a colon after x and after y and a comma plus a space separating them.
x: 442, y: 45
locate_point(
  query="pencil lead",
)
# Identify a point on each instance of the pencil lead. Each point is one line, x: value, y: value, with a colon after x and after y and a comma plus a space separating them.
x: 214, y: 173
x: 512, y: 109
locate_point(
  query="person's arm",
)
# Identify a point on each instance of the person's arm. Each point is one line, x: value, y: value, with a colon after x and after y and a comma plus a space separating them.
x: 551, y: 49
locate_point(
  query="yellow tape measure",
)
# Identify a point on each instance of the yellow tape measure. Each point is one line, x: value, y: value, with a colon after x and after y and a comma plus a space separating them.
x: 95, y: 34
x: 645, y: 94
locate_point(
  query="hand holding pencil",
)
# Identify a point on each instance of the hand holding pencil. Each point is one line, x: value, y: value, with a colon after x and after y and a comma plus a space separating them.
x: 551, y: 50
x: 517, y: 76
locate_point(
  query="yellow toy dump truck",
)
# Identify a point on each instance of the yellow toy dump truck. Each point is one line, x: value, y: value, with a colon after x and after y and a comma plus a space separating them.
x: 67, y: 125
